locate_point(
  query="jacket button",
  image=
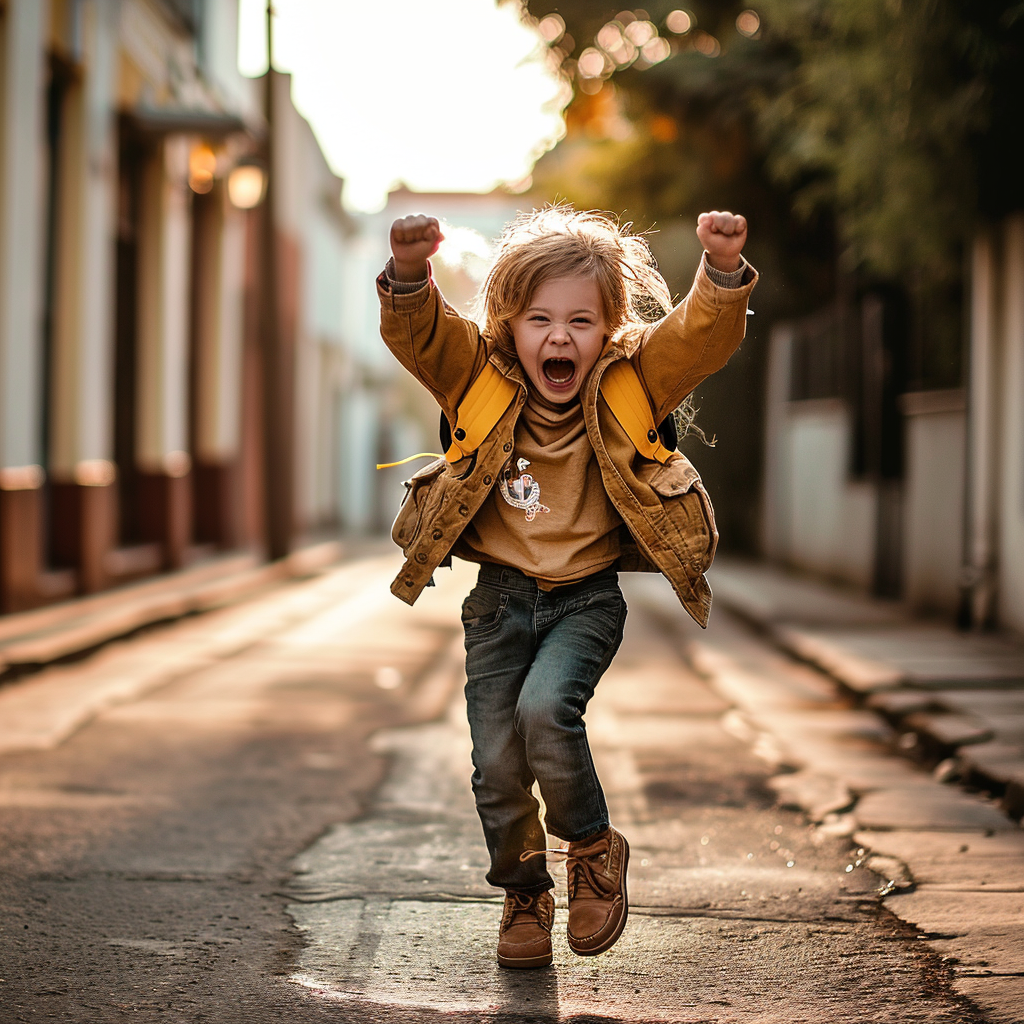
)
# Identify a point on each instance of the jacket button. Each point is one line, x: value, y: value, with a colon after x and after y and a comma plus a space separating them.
x: 487, y: 479
x: 408, y: 581
x: 460, y: 434
x: 437, y: 535
x: 421, y: 557
x: 507, y: 446
x: 652, y: 436
x: 463, y: 510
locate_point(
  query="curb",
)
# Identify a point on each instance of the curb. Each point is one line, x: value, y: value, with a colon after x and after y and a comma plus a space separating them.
x: 38, y: 711
x: 950, y: 864
x: 37, y: 638
x: 931, y: 725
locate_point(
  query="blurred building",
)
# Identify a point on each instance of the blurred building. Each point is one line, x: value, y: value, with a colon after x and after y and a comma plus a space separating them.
x: 133, y: 305
x: 885, y: 473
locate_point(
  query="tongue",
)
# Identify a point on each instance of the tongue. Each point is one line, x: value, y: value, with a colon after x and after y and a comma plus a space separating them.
x: 558, y: 371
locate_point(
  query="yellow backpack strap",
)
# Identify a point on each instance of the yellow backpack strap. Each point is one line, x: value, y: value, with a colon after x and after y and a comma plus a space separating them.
x: 486, y: 400
x: 628, y: 402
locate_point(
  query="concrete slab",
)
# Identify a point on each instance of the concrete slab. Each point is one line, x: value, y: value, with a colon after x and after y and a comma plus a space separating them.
x: 860, y: 673
x: 984, y: 702
x: 927, y: 846
x: 1007, y: 728
x: 969, y: 863
x: 665, y: 969
x: 897, y: 703
x: 866, y: 774
x: 738, y: 685
x: 948, y: 730
x: 812, y: 738
x: 766, y: 594
x: 928, y: 655
x: 954, y: 913
x: 930, y: 809
x: 810, y: 791
x: 1000, y: 999
x: 656, y: 687
x: 993, y: 950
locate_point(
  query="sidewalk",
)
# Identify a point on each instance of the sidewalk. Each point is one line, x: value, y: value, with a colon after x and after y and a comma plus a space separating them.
x: 919, y: 757
x: 47, y: 690
x: 44, y: 635
x: 956, y: 699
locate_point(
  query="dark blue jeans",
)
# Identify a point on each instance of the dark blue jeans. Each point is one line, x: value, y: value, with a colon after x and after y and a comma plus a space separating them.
x: 533, y: 658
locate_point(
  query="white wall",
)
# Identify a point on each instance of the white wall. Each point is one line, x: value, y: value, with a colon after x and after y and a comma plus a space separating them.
x: 832, y: 519
x: 360, y: 424
x: 815, y: 517
x: 775, y: 502
x: 933, y: 521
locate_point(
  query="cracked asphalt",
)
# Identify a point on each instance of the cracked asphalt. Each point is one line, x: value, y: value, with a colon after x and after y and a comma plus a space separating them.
x: 287, y: 832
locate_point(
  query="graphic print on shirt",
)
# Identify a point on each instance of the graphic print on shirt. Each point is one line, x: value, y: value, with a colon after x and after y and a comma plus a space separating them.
x: 522, y: 492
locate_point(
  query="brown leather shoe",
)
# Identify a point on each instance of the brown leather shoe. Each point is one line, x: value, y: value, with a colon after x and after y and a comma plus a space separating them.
x: 524, y: 939
x: 596, y: 871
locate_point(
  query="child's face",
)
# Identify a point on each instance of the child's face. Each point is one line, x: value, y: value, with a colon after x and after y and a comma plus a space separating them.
x: 560, y: 335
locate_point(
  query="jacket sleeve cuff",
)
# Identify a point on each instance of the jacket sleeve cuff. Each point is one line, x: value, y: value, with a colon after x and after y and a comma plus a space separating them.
x: 729, y: 279
x: 402, y: 295
x: 707, y: 291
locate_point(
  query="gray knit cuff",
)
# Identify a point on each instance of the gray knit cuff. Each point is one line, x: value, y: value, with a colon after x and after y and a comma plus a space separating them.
x: 401, y: 287
x: 727, y: 279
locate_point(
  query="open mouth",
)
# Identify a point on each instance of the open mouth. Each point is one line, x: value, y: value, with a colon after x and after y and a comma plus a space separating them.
x: 559, y: 372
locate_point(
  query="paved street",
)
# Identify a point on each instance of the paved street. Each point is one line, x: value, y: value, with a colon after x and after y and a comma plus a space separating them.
x: 276, y: 823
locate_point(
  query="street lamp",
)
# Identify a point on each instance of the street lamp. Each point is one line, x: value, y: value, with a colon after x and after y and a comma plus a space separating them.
x: 247, y: 183
x: 202, y: 167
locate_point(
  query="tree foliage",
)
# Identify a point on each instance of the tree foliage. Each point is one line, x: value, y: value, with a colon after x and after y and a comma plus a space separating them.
x: 894, y: 124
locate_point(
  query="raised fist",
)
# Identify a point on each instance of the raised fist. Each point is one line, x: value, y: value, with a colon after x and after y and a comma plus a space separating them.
x: 413, y: 240
x: 723, y: 236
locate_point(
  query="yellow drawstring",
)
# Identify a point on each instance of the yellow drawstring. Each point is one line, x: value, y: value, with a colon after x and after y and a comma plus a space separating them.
x: 402, y: 462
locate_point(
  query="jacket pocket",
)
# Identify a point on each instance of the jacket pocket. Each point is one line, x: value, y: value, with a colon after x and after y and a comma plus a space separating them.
x: 687, y: 519
x: 423, y: 493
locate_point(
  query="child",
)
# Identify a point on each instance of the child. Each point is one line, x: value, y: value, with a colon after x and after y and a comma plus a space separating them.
x: 569, y: 295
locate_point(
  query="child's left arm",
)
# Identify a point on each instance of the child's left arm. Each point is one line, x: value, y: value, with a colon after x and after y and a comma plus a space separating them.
x: 702, y: 332
x: 723, y: 236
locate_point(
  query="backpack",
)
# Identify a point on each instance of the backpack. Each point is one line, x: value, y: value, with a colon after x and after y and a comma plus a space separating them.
x: 490, y: 394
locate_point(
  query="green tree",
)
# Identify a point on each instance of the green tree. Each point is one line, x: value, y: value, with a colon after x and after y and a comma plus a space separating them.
x: 895, y: 122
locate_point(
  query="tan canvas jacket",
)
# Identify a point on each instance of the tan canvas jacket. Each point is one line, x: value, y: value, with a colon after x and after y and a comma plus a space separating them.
x: 669, y: 522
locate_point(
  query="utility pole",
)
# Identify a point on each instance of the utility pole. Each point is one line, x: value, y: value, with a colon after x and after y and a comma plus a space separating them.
x: 278, y: 482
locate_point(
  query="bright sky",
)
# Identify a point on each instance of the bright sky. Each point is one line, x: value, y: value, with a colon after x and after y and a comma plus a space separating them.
x: 444, y: 95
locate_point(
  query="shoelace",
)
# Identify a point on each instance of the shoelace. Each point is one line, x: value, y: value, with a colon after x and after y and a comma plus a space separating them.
x: 579, y: 867
x: 581, y: 873
x: 540, y: 853
x: 524, y: 904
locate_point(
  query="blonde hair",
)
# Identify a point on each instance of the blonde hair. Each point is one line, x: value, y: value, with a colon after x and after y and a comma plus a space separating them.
x: 559, y: 241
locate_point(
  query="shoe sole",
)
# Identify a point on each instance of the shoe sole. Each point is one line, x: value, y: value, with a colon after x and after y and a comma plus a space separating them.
x: 525, y: 963
x: 614, y: 937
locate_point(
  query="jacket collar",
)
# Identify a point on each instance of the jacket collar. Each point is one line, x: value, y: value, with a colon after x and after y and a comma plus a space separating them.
x: 509, y: 367
x: 620, y: 346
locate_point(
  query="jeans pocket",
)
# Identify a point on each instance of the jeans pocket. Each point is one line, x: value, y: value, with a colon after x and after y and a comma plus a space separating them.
x: 483, y: 610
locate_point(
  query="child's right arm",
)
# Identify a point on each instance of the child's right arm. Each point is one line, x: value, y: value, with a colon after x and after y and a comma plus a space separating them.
x: 441, y: 349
